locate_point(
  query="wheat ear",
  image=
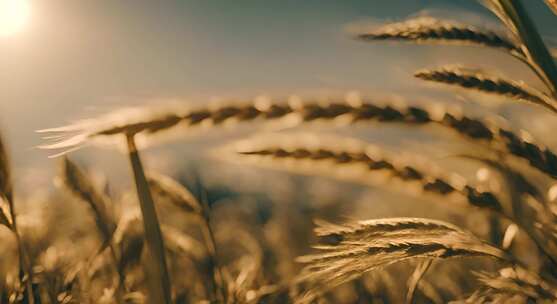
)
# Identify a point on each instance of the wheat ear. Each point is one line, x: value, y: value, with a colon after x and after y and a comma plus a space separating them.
x: 151, y: 123
x: 431, y: 30
x: 415, y: 279
x: 79, y: 184
x: 429, y: 183
x: 477, y: 80
x: 350, y: 250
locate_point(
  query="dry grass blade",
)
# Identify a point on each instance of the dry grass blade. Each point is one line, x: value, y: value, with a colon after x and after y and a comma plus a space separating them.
x: 415, y: 279
x: 431, y: 30
x: 513, y: 282
x: 343, y: 155
x: 476, y: 80
x: 350, y: 250
x: 76, y: 181
x: 165, y: 187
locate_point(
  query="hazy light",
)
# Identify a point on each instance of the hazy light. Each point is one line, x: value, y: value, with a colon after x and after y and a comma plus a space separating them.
x: 14, y: 14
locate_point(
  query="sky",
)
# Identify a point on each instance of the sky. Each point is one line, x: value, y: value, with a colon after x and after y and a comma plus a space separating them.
x: 81, y: 58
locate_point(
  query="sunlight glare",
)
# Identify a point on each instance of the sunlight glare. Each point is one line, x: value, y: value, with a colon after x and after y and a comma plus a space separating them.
x: 14, y: 14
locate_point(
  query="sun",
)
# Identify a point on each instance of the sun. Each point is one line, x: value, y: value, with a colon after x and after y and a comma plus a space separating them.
x: 14, y: 15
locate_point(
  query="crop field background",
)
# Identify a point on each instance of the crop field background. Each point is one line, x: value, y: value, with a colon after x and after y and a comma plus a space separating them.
x: 278, y: 151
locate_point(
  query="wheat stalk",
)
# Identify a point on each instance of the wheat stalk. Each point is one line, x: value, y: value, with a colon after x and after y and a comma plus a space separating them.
x: 415, y: 279
x: 477, y: 80
x: 513, y: 14
x: 431, y: 30
x: 350, y: 250
x: 159, y: 281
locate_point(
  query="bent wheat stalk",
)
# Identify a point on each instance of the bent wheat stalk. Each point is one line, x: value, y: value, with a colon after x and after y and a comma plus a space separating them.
x: 159, y: 281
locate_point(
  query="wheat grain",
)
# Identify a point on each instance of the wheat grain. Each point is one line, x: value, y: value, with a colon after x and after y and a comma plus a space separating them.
x: 477, y: 80
x: 430, y: 30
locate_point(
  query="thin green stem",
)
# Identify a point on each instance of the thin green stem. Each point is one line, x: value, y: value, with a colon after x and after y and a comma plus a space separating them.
x: 158, y: 272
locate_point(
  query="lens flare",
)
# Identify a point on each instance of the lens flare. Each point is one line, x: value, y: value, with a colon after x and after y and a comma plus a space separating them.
x: 14, y: 15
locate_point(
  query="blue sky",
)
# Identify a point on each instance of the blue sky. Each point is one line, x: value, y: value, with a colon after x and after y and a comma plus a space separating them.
x: 79, y: 58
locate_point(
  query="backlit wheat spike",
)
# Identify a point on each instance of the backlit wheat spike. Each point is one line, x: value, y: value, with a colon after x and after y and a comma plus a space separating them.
x: 431, y: 30
x: 146, y: 121
x: 513, y: 282
x: 407, y: 173
x: 75, y: 180
x: 165, y: 187
x: 349, y: 258
x: 552, y: 5
x: 476, y: 80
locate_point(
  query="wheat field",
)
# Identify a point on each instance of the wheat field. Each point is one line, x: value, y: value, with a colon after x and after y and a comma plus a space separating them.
x: 276, y: 217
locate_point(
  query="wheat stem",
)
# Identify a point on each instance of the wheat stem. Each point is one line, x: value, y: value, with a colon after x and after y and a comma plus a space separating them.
x: 160, y: 282
x: 533, y: 43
